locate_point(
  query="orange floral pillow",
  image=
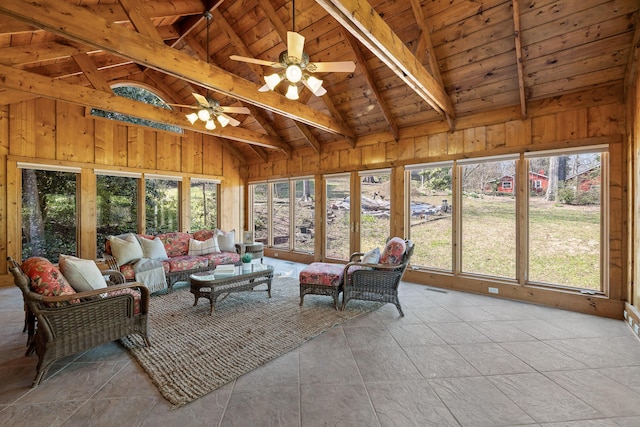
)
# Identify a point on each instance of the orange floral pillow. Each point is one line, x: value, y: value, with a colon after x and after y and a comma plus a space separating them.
x: 46, y: 279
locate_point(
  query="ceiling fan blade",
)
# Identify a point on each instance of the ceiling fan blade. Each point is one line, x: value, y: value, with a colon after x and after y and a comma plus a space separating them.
x: 256, y: 61
x: 236, y: 110
x: 295, y: 45
x: 319, y: 92
x: 201, y: 100
x: 232, y: 121
x: 331, y: 67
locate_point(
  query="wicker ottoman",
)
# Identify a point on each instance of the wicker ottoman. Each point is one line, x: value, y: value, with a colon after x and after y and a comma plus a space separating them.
x: 322, y: 278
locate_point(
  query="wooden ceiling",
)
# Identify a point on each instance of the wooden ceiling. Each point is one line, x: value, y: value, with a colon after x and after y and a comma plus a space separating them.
x: 417, y: 61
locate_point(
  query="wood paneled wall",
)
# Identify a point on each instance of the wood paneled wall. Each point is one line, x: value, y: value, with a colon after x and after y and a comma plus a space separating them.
x: 580, y: 119
x: 52, y: 132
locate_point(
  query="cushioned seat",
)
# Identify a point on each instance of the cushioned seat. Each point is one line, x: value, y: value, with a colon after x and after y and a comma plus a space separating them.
x: 322, y: 278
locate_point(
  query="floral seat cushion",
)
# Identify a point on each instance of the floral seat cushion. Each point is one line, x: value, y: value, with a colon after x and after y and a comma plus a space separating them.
x: 187, y: 262
x: 222, y: 258
x: 134, y: 292
x: 322, y: 273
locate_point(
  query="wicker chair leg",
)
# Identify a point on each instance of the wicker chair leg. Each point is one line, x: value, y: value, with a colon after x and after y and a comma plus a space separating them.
x: 399, y: 308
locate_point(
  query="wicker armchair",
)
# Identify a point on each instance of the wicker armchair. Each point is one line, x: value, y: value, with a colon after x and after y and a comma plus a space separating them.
x: 375, y: 282
x: 68, y: 324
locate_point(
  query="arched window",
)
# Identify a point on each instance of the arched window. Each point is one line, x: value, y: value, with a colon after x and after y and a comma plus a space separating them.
x: 137, y: 93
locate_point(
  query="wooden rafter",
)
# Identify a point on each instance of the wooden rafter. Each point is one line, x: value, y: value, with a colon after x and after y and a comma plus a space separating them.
x: 361, y: 20
x: 193, y: 22
x: 27, y: 54
x: 518, y: 40
x: 20, y: 80
x: 138, y: 17
x: 91, y: 72
x: 361, y: 62
x: 77, y: 24
x: 425, y: 44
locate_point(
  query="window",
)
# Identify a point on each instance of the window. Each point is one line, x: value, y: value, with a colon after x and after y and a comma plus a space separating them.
x: 375, y: 208
x: 488, y: 217
x: 429, y: 189
x: 259, y: 214
x: 116, y: 206
x: 338, y: 217
x: 49, y: 211
x: 161, y: 204
x: 506, y: 185
x: 304, y: 215
x: 204, y: 204
x: 280, y: 211
x: 141, y: 94
x: 565, y: 221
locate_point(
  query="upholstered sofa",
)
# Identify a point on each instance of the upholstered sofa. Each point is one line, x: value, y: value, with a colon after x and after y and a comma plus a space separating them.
x: 180, y: 253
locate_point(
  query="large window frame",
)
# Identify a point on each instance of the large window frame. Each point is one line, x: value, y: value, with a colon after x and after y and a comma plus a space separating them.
x: 163, y: 226
x: 521, y: 188
x: 210, y: 189
x: 101, y: 239
x: 267, y: 215
x: 45, y: 249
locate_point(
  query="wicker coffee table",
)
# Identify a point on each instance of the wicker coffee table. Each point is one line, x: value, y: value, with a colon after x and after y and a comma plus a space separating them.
x: 216, y: 288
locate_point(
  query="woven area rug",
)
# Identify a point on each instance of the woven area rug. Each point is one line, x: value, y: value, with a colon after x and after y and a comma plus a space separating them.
x: 193, y: 353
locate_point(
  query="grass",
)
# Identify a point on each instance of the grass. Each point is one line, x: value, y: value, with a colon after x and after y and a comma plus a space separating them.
x: 564, y: 241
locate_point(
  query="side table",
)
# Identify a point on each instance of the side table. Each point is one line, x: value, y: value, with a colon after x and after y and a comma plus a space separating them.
x: 255, y: 249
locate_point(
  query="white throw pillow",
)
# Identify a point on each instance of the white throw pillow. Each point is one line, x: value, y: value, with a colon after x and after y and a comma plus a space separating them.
x: 371, y: 257
x: 209, y: 246
x: 153, y: 249
x: 227, y: 241
x: 82, y: 274
x: 125, y: 249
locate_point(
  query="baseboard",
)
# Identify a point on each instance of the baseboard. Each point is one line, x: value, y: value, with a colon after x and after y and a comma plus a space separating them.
x: 632, y: 316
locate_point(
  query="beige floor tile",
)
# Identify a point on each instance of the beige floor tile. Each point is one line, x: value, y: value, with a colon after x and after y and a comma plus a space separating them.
x: 440, y: 361
x: 491, y: 359
x: 341, y: 405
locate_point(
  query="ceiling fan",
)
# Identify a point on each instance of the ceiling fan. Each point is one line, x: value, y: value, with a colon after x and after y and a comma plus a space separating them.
x: 296, y: 67
x: 210, y: 109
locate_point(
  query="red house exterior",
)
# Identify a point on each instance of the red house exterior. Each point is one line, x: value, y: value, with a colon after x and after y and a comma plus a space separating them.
x: 538, y: 183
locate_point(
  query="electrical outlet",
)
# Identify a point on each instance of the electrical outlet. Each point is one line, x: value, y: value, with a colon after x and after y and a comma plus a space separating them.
x: 630, y: 321
x: 275, y: 254
x: 635, y: 329
x: 626, y: 316
x: 493, y: 290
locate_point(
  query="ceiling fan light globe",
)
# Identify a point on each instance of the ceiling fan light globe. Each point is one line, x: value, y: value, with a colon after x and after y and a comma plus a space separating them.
x: 210, y: 125
x: 204, y: 115
x: 223, y: 120
x: 314, y: 84
x: 294, y: 73
x: 193, y: 117
x: 272, y: 80
x: 292, y: 92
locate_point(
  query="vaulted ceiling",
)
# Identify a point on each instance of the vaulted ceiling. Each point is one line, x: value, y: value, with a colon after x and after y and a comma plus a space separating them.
x: 417, y: 61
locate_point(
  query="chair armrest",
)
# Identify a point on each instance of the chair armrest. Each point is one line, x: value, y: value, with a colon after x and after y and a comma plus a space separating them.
x: 144, y: 295
x: 115, y: 277
x: 355, y: 255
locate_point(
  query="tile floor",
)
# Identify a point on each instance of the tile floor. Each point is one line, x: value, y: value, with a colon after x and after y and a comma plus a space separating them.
x: 455, y: 359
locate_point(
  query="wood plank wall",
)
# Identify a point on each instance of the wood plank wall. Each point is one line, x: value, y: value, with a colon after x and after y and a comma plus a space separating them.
x: 580, y: 119
x: 52, y: 132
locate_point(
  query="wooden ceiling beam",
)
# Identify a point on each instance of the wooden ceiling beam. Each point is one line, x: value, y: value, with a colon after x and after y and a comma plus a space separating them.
x: 77, y: 24
x: 425, y: 44
x: 519, y: 60
x: 361, y: 62
x: 361, y: 20
x: 28, y: 54
x: 21, y: 80
x: 91, y: 72
x: 139, y: 19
